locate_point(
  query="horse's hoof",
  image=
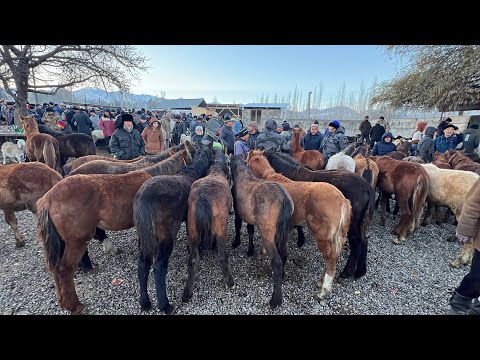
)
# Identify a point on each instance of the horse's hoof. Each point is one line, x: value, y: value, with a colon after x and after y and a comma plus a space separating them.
x: 80, y: 310
x: 396, y: 241
x: 145, y: 305
x: 359, y: 273
x: 187, y: 295
x: 341, y: 280
x: 169, y: 309
x: 300, y: 243
x: 250, y: 252
x: 275, y: 303
x: 230, y: 282
x: 236, y: 244
x: 20, y: 243
x: 456, y: 264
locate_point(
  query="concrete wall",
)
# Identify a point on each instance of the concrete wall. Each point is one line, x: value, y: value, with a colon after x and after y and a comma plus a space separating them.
x: 275, y: 114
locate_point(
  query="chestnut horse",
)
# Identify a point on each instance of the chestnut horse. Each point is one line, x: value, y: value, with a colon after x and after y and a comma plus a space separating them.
x: 21, y: 185
x: 40, y: 147
x: 71, y: 145
x: 458, y: 161
x: 159, y: 208
x: 313, y: 159
x: 69, y: 214
x: 209, y: 202
x: 320, y: 206
x: 269, y: 206
x: 72, y: 165
x: 354, y: 188
x: 410, y: 183
x: 366, y: 168
x: 440, y: 161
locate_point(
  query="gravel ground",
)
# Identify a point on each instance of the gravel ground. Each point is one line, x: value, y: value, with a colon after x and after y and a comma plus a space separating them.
x: 412, y: 278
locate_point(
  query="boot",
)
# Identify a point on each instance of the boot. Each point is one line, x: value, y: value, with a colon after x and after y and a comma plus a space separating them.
x: 459, y: 304
x: 475, y: 308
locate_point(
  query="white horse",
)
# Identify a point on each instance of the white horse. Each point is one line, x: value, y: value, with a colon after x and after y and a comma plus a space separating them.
x: 13, y: 151
x: 340, y: 161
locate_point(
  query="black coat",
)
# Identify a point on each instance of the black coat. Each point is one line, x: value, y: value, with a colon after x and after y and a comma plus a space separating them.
x: 127, y: 145
x: 376, y: 132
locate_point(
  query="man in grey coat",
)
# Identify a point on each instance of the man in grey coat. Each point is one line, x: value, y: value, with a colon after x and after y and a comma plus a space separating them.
x: 271, y: 139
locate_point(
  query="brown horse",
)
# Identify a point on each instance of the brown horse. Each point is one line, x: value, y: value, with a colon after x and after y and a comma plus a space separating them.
x: 72, y: 165
x: 68, y: 215
x: 269, y: 206
x: 21, y: 185
x: 458, y: 161
x: 366, y: 168
x: 40, y: 147
x: 440, y: 161
x: 410, y: 183
x: 209, y: 202
x: 313, y: 159
x: 320, y: 206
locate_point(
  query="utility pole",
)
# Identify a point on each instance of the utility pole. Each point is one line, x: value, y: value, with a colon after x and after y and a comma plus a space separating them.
x: 308, y: 106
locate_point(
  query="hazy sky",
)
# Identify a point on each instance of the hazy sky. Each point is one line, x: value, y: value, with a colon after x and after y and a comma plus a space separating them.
x: 242, y: 73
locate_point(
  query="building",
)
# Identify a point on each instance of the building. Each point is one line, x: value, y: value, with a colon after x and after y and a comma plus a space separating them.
x: 235, y: 110
x: 261, y: 112
x: 178, y: 106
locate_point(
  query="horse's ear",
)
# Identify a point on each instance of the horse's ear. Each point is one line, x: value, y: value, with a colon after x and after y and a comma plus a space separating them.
x: 263, y: 152
x: 22, y: 118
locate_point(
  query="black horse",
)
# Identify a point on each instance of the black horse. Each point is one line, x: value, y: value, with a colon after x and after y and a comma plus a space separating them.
x: 354, y: 188
x: 159, y: 208
x: 71, y: 145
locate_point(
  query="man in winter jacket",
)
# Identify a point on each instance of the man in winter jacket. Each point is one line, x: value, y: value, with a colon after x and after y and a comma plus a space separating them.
x: 253, y: 135
x: 313, y: 139
x: 385, y: 146
x: 447, y: 141
x: 425, y: 148
x: 376, y: 133
x: 82, y: 121
x: 271, y: 139
x: 365, y: 127
x: 126, y: 142
x: 335, y: 141
x: 471, y: 139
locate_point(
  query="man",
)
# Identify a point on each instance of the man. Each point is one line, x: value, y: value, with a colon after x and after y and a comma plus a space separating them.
x: 313, y: 139
x: 441, y: 126
x: 471, y: 139
x: 376, y: 133
x: 95, y: 119
x: 10, y: 113
x: 253, y: 135
x: 126, y: 142
x: 335, y: 141
x: 385, y: 145
x: 271, y: 139
x: 447, y: 141
x: 178, y: 130
x: 227, y: 136
x: 365, y: 127
x: 142, y: 123
x: 468, y: 232
x: 82, y: 121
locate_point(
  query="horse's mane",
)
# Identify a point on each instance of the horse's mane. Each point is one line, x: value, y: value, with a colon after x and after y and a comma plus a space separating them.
x: 349, y: 150
x: 167, y: 166
x: 285, y: 157
x: 199, y: 166
x: 282, y: 165
x: 219, y: 163
x: 238, y: 165
x: 46, y: 130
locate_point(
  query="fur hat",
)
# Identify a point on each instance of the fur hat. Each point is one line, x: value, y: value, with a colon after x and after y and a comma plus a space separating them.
x: 334, y: 124
x: 127, y: 117
x: 449, y: 126
x: 286, y: 127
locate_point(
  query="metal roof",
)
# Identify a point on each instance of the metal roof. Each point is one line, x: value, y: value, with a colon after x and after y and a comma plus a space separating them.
x: 181, y: 103
x: 266, y: 105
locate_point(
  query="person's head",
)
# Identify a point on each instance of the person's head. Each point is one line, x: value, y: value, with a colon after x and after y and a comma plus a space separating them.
x: 382, y: 118
x: 127, y: 122
x: 51, y: 104
x: 199, y: 120
x: 93, y: 112
x: 178, y: 118
x: 243, y: 134
x: 279, y: 129
x: 366, y: 117
x: 39, y: 106
x: 421, y: 126
x: 252, y: 127
x: 316, y: 122
x: 296, y: 128
x: 228, y: 122
x: 199, y: 130
x: 155, y: 124
x: 143, y: 119
x: 333, y: 126
x: 387, y: 137
x: 313, y: 129
x: 227, y: 116
x: 106, y: 113
x: 286, y: 127
x: 10, y: 104
x: 449, y: 130
x: 448, y: 120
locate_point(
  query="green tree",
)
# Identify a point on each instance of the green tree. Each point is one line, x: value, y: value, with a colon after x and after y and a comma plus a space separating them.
x: 442, y: 77
x: 48, y: 68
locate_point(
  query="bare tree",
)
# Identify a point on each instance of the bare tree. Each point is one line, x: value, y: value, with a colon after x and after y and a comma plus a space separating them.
x: 48, y: 68
x: 444, y: 77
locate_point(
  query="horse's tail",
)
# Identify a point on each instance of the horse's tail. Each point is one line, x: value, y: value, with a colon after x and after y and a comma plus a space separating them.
x: 53, y: 245
x: 144, y: 220
x: 49, y: 156
x: 420, y: 193
x: 203, y: 221
x: 367, y: 213
x: 284, y: 222
x: 367, y: 174
x: 341, y: 231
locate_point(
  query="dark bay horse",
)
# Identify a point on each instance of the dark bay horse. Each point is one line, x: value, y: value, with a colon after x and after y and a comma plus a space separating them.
x: 355, y: 189
x: 71, y: 145
x: 159, y: 208
x: 68, y: 216
x: 320, y: 206
x: 313, y: 159
x: 109, y: 167
x: 410, y: 183
x: 269, y: 206
x: 209, y: 202
x: 40, y: 147
x: 72, y: 165
x: 459, y: 161
x: 21, y: 185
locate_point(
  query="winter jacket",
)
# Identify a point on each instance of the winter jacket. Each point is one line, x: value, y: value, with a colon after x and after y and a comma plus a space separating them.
x: 376, y: 133
x: 471, y: 140
x: 241, y: 148
x: 425, y: 148
x: 382, y: 147
x: 228, y: 137
x: 107, y: 125
x: 127, y: 145
x: 83, y: 123
x: 442, y: 144
x: 271, y: 139
x: 50, y: 119
x: 469, y: 221
x: 311, y: 142
x: 177, y: 132
x: 333, y: 143
x: 252, y: 140
x: 365, y: 127
x: 153, y: 139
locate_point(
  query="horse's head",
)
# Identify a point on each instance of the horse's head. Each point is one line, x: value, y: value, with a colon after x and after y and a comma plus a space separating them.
x: 29, y: 124
x: 253, y: 153
x: 21, y: 144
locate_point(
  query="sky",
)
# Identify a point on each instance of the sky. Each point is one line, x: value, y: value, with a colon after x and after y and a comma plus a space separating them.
x: 242, y: 73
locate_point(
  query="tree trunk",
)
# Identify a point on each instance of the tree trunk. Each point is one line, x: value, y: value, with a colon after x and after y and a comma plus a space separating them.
x: 21, y: 96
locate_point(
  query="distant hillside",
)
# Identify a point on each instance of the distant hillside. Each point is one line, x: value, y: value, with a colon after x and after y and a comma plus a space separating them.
x: 337, y: 112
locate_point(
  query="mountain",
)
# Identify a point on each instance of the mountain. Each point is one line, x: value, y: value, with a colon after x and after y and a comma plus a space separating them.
x: 101, y: 97
x: 337, y: 112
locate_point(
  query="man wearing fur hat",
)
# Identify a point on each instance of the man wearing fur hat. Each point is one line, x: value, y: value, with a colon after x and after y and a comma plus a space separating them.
x: 50, y: 118
x: 447, y: 141
x: 335, y: 141
x: 126, y: 142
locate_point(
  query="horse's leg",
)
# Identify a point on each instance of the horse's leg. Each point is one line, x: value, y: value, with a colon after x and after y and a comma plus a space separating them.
x: 446, y: 217
x: 251, y: 248
x: 438, y: 215
x: 379, y: 198
x: 160, y: 269
x: 85, y: 263
x: 465, y: 257
x: 108, y: 246
x: 397, y: 208
x: 11, y: 219
x: 238, y: 228
x: 428, y: 216
x: 192, y: 267
x: 362, y: 260
x: 301, y: 236
x: 385, y: 198
x: 144, y: 265
x: 330, y: 256
x: 223, y: 257
x: 406, y: 219
x: 277, y: 270
x: 65, y: 272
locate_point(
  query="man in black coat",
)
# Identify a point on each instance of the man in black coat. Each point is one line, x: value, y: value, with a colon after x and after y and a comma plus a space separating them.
x: 365, y: 127
x: 126, y: 142
x: 313, y: 139
x: 82, y: 121
x: 376, y: 133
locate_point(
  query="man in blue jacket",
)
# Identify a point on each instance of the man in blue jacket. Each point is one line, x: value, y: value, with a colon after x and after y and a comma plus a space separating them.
x: 447, y: 141
x: 385, y: 146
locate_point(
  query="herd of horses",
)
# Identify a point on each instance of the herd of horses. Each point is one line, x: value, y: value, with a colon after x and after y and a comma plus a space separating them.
x: 272, y: 191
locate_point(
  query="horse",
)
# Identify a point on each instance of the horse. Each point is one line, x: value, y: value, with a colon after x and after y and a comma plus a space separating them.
x: 159, y: 208
x: 71, y: 145
x: 355, y: 189
x: 416, y: 159
x: 108, y: 167
x: 13, y: 151
x: 458, y: 161
x: 72, y: 165
x: 209, y: 202
x: 340, y: 161
x: 40, y: 147
x: 70, y: 212
x: 313, y: 159
x: 410, y: 183
x: 21, y: 185
x: 362, y: 149
x: 366, y: 168
x: 320, y: 206
x: 440, y: 161
x: 269, y: 206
